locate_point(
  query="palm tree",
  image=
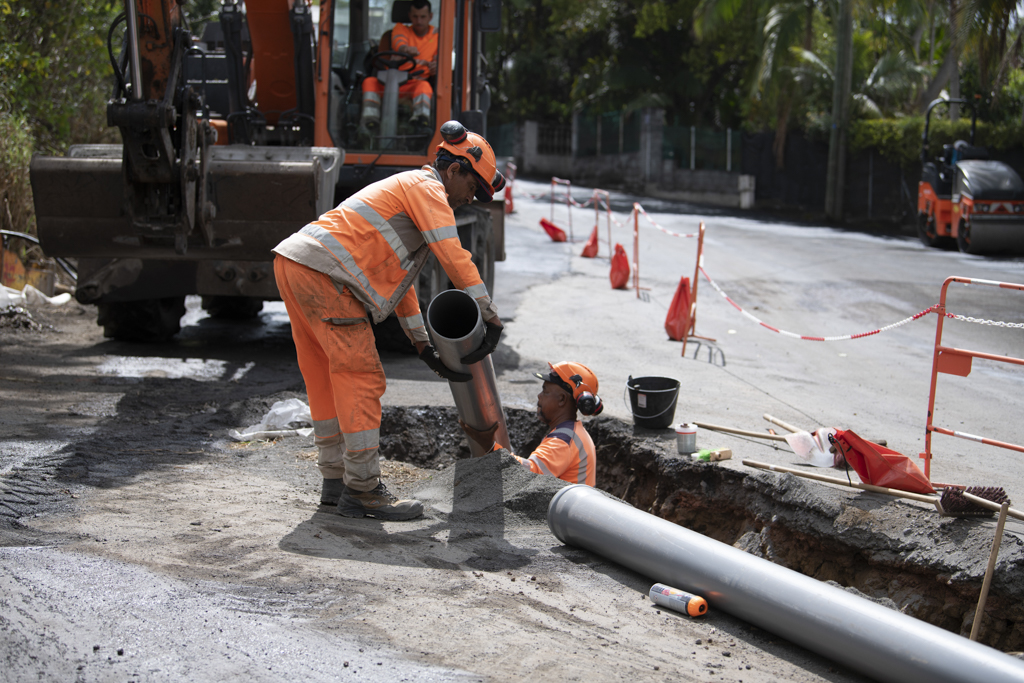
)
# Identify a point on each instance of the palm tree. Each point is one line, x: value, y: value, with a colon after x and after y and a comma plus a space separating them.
x: 891, y: 84
x: 781, y: 27
x: 985, y: 27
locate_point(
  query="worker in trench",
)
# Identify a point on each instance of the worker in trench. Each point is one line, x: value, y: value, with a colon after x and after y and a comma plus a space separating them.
x: 357, y: 262
x: 566, y: 451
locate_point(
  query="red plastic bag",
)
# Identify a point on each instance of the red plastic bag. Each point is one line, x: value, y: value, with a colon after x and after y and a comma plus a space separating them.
x: 509, y: 206
x: 880, y: 466
x: 620, y: 268
x: 590, y: 248
x: 677, y: 322
x: 555, y: 232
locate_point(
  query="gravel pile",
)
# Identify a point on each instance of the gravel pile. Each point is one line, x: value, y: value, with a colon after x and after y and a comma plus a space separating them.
x: 18, y: 318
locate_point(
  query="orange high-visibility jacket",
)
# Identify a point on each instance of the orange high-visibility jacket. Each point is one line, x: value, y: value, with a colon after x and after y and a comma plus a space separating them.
x: 376, y: 242
x: 567, y: 452
x: 427, y: 45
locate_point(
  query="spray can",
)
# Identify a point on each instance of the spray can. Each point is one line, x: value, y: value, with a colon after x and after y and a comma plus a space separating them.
x: 686, y: 438
x: 678, y: 600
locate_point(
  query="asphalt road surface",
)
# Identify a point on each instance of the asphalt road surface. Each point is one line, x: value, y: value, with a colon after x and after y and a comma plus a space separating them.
x: 139, y: 543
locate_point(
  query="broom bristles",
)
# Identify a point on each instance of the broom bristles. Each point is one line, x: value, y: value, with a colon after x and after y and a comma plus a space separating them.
x: 955, y: 504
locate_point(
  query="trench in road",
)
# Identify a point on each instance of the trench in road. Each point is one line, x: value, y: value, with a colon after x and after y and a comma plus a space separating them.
x: 782, y: 519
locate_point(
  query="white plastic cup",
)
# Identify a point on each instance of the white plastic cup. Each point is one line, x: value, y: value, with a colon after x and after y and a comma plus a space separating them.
x: 686, y: 438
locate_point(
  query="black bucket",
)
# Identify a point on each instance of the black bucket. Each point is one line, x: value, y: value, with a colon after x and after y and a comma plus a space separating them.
x: 653, y: 401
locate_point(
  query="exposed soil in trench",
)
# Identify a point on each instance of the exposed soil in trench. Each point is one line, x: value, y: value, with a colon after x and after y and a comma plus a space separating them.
x: 929, y: 567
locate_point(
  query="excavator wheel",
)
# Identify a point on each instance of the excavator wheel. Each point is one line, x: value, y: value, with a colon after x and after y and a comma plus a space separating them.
x: 150, y: 320
x: 232, y: 307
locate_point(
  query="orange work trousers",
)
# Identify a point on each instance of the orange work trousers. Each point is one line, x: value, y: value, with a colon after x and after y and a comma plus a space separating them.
x: 342, y: 371
x: 418, y: 91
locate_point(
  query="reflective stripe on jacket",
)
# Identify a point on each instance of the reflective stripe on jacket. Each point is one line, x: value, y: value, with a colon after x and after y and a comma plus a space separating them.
x: 567, y: 452
x: 405, y: 36
x: 376, y: 242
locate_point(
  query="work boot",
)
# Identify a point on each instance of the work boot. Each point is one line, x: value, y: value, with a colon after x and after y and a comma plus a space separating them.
x: 420, y: 121
x: 331, y: 491
x: 378, y: 503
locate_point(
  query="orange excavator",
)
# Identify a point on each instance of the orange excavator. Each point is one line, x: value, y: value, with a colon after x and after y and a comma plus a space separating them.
x: 234, y: 139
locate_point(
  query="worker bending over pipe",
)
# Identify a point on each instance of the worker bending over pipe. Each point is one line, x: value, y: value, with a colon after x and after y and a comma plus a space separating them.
x: 567, y: 451
x: 356, y: 262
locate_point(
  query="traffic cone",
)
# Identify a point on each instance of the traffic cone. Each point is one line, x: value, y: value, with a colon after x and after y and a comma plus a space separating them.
x: 555, y: 232
x: 590, y: 248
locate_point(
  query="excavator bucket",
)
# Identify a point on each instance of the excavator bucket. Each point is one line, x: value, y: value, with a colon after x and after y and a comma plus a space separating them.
x: 260, y: 195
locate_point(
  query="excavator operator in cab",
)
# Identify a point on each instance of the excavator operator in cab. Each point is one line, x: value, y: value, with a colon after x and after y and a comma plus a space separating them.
x: 419, y: 41
x: 567, y: 451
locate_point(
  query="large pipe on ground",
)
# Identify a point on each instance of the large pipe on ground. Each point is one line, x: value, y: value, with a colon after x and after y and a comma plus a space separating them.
x: 875, y: 640
x: 456, y: 328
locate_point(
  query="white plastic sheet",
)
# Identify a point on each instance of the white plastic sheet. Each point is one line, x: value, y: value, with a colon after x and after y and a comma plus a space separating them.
x: 277, y: 422
x: 30, y: 296
x: 812, y: 448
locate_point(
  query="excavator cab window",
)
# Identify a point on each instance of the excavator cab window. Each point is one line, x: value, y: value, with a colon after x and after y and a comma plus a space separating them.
x: 384, y: 120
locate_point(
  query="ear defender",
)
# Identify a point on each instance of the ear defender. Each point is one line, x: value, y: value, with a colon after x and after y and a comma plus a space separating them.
x: 589, y: 404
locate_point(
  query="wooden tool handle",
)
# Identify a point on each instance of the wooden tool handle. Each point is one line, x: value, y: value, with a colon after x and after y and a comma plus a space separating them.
x: 784, y: 425
x: 989, y: 505
x: 744, y: 432
x: 843, y: 482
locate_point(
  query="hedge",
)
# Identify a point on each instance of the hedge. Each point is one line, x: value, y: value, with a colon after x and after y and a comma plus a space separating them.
x: 899, y: 140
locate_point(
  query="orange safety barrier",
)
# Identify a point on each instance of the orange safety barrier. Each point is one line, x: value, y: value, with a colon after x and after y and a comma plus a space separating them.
x: 956, y: 361
x: 691, y: 328
x: 597, y: 198
x: 568, y: 201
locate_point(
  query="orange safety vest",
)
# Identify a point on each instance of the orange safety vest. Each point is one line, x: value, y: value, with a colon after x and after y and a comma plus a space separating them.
x: 376, y: 242
x: 567, y: 452
x: 402, y: 35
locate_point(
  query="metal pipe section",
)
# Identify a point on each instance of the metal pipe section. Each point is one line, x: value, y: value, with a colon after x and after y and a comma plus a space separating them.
x: 456, y: 328
x: 879, y: 642
x: 134, y: 60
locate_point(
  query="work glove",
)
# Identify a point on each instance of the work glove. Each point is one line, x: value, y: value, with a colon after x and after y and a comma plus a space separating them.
x: 490, y: 342
x: 433, y: 361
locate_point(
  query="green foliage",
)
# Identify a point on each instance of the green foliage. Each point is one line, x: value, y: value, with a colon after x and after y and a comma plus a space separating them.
x: 200, y: 13
x: 56, y: 71
x: 56, y: 79
x: 899, y: 140
x: 16, y: 211
x: 554, y: 57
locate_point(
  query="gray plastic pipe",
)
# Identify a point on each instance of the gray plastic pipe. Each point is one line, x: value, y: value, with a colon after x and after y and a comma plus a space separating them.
x: 879, y: 642
x: 457, y: 328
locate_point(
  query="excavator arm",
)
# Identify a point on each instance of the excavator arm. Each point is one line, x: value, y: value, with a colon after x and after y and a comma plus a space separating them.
x: 166, y: 174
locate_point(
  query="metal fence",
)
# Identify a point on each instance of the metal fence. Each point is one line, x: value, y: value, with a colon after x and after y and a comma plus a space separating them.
x: 502, y: 138
x: 702, y: 148
x: 608, y: 133
x: 553, y: 138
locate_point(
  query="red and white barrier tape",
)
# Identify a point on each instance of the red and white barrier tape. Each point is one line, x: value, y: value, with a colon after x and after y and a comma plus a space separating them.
x: 584, y: 205
x: 664, y: 230
x: 536, y: 196
x: 844, y: 337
